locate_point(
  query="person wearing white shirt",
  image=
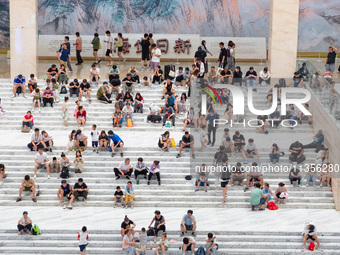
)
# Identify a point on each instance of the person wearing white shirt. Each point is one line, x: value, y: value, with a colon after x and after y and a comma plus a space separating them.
x: 94, y: 73
x: 41, y: 160
x: 310, y: 232
x: 264, y: 76
x: 156, y: 56
x: 32, y: 83
x: 108, y: 40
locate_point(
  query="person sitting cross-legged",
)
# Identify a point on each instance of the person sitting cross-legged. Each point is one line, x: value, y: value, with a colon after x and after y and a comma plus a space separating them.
x: 27, y: 184
x: 187, y: 142
x: 65, y: 190
x: 80, y: 189
x: 125, y: 169
x: 188, y: 223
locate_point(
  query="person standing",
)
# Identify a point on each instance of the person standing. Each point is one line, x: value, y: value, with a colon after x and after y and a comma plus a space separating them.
x: 79, y: 47
x: 96, y: 45
x: 67, y: 42
x: 119, y: 46
x: 222, y: 59
x: 83, y: 238
x: 212, y: 126
x: 330, y: 62
x: 204, y: 48
x: 64, y: 55
x: 108, y: 46
x: 145, y: 43
x: 155, y: 56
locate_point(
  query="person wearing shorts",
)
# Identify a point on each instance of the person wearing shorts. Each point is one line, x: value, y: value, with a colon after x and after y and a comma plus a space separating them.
x: 257, y: 198
x: 189, y: 244
x: 65, y: 190
x: 116, y: 142
x: 145, y: 43
x: 188, y: 223
x: 27, y: 184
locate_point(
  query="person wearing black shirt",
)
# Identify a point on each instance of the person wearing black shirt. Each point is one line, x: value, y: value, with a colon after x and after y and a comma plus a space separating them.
x: 237, y: 76
x: 219, y: 156
x: 127, y: 224
x: 262, y: 123
x: 157, y: 76
x: 85, y: 87
x: 129, y: 83
x: 145, y: 43
x: 169, y: 113
x: 80, y: 189
x: 297, y: 81
x: 200, y: 54
x: 74, y: 88
x: 212, y: 126
x: 52, y: 72
x: 225, y: 75
x: 330, y: 62
x: 159, y: 223
x: 295, y: 175
x: 119, y: 197
x: 251, y: 77
x: 187, y: 142
x: 222, y: 59
x: 239, y: 141
x: 296, y: 150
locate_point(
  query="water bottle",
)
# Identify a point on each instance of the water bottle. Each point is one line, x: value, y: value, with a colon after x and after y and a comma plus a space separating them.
x: 137, y: 182
x: 151, y: 246
x: 180, y: 247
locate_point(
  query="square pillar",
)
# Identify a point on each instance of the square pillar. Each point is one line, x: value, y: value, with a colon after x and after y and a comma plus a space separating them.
x: 23, y: 37
x: 283, y: 37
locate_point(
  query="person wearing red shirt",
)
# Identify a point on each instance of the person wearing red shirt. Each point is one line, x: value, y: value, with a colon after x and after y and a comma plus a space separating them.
x: 81, y: 116
x: 28, y: 120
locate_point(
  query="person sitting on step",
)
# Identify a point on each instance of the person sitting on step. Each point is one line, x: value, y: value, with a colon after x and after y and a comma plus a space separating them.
x: 188, y: 223
x: 28, y: 120
x: 164, y: 141
x: 24, y: 224
x: 80, y: 189
x: 281, y: 193
x: 267, y: 192
x: 129, y: 244
x: 140, y: 168
x: 127, y: 224
x: 257, y: 197
x: 41, y: 161
x: 255, y: 173
x: 295, y: 175
x: 74, y: 88
x: 65, y: 190
x: 85, y: 88
x: 81, y: 116
x: 155, y: 170
x: 296, y: 150
x: 78, y: 162
x: 94, y: 74
x: 169, y: 114
x: 326, y: 175
x: 47, y: 140
x: 129, y: 194
x: 116, y: 141
x: 249, y: 151
x: 310, y: 232
x: 118, y: 197
x: 54, y: 165
x: 154, y: 115
x: 159, y: 224
x: 188, y: 245
x: 2, y: 173
x: 238, y: 174
x: 36, y: 140
x: 27, y: 184
x: 64, y: 162
x: 317, y: 141
x: 19, y: 81
x: 81, y: 140
x: 125, y: 169
x: 187, y: 141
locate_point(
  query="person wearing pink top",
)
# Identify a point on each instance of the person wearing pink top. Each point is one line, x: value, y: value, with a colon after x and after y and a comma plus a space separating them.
x: 79, y: 47
x: 28, y: 120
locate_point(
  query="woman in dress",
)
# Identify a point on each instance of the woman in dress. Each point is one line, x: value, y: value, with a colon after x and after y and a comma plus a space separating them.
x: 181, y: 104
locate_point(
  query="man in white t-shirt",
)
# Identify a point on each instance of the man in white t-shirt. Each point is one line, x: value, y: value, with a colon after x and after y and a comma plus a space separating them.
x: 264, y: 76
x: 41, y: 160
x: 189, y: 245
x: 94, y: 73
x: 125, y: 169
x: 249, y: 151
x: 156, y: 56
x: 108, y: 40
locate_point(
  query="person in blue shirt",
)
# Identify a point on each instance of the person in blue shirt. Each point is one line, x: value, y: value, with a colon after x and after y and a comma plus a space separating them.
x: 188, y: 223
x: 19, y: 81
x: 116, y: 142
x: 171, y: 100
x: 267, y: 192
x: 68, y: 45
x: 169, y: 113
x: 113, y: 73
x: 318, y: 140
x: 64, y: 55
x: 212, y: 126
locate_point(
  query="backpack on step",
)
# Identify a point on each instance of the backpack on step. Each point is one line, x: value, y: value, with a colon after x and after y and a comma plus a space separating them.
x: 63, y: 90
x: 64, y: 174
x: 35, y: 230
x: 19, y: 90
x: 200, y: 251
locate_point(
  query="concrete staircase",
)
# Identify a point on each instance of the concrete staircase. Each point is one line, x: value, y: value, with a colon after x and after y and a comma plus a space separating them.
x: 109, y: 242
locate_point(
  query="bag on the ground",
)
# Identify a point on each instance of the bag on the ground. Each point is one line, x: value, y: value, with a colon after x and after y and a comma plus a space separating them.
x: 150, y: 232
x: 173, y: 143
x: 200, y: 251
x: 64, y: 173
x: 188, y: 177
x: 25, y: 129
x: 115, y: 82
x: 35, y: 230
x: 19, y: 90
x: 272, y: 206
x: 63, y: 90
x: 129, y: 123
x: 311, y: 246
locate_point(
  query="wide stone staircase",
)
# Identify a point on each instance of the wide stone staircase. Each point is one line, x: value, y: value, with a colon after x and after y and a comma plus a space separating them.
x: 174, y: 191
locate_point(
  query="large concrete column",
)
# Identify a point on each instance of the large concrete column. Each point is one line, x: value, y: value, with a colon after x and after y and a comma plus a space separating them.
x: 23, y: 37
x: 283, y: 37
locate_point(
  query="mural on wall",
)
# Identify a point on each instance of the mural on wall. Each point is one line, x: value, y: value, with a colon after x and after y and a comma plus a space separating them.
x: 319, y: 20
